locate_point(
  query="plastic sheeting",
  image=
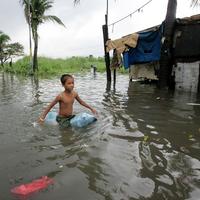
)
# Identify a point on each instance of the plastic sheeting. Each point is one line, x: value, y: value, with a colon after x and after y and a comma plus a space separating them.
x: 147, y: 49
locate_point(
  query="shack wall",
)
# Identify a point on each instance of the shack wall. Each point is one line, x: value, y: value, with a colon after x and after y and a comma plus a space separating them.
x: 187, y: 76
x: 186, y: 47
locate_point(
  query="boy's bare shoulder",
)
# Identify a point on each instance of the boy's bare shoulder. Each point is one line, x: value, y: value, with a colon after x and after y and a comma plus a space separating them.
x: 75, y: 94
x: 60, y: 96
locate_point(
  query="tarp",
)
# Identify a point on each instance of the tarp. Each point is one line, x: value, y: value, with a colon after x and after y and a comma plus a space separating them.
x: 147, y: 49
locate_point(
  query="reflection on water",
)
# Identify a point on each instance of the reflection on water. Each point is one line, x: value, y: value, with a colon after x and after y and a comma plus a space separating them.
x: 145, y: 144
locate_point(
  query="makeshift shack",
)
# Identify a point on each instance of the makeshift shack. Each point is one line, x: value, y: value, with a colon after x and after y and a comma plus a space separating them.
x: 142, y: 55
x: 186, y: 54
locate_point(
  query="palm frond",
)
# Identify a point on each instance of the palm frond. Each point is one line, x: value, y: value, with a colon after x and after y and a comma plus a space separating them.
x: 27, y: 7
x: 53, y: 19
x: 195, y: 3
x: 76, y: 2
x: 47, y: 4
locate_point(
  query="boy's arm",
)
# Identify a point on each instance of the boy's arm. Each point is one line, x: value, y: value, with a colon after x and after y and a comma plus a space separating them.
x: 85, y: 104
x: 48, y: 108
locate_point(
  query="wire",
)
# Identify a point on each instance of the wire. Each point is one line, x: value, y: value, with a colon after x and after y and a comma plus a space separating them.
x: 129, y: 15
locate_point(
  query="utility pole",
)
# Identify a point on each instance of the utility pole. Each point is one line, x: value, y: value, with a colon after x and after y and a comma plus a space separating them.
x: 106, y: 37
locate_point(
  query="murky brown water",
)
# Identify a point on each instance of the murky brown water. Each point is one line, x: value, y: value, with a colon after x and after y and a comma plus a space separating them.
x: 145, y: 145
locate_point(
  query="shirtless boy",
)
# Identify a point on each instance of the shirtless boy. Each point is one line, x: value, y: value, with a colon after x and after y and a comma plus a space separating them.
x: 66, y: 101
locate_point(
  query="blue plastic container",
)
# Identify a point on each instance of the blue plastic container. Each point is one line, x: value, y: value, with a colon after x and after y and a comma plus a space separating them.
x: 51, y: 118
x: 82, y: 120
x: 79, y: 121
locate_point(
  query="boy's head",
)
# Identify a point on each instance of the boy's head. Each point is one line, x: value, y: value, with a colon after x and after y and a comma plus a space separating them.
x: 67, y: 81
x: 64, y: 78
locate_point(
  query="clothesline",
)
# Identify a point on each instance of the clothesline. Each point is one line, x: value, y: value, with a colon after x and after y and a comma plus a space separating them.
x: 129, y: 15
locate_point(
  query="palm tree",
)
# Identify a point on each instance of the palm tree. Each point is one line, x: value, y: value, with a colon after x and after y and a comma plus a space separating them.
x: 3, y: 42
x: 34, y: 11
x: 166, y: 57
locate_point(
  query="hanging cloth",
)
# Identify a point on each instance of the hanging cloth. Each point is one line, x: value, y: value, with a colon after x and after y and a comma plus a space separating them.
x: 123, y: 43
x: 116, y: 60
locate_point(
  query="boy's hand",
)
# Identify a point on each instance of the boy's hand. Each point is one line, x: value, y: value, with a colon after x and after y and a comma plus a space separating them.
x: 40, y: 120
x: 94, y: 111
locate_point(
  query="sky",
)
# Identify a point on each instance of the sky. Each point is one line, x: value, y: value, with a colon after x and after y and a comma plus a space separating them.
x: 83, y: 33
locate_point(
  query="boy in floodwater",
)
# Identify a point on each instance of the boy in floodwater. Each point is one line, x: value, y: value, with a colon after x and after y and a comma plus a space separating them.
x: 66, y: 101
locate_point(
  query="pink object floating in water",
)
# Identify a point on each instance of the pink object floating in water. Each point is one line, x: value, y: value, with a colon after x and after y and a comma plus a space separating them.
x: 34, y: 186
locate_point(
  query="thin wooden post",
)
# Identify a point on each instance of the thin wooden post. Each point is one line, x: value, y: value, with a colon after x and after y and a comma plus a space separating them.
x: 107, y: 55
x: 114, y: 77
x: 198, y: 89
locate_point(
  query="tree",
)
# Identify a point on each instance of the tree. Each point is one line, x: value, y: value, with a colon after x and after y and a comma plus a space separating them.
x: 12, y: 50
x: 7, y: 51
x: 3, y: 43
x: 166, y: 56
x: 34, y: 11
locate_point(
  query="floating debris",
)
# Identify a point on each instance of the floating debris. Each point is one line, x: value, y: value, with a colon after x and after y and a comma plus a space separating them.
x: 34, y: 186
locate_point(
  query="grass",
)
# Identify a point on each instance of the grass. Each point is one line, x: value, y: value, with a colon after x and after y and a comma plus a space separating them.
x: 51, y: 67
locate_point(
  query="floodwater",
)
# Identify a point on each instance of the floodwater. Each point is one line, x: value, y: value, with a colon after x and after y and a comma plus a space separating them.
x: 145, y: 144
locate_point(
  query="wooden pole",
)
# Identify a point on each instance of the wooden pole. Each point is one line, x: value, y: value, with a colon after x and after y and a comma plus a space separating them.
x: 114, y: 77
x: 107, y: 55
x: 198, y: 89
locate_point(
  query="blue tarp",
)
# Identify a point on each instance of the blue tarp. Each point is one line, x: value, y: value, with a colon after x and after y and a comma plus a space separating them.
x: 147, y: 49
